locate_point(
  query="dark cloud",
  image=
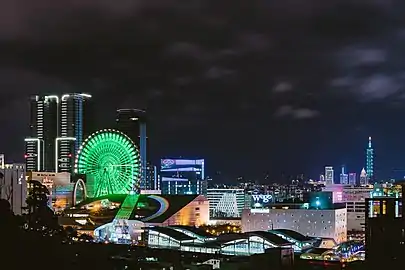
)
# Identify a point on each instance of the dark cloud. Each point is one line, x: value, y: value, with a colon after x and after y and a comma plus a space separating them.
x: 296, y: 113
x: 213, y: 63
x: 282, y: 87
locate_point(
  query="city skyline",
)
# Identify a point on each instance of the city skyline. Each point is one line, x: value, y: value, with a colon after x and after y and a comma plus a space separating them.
x: 252, y: 100
x: 202, y: 134
x: 307, y: 176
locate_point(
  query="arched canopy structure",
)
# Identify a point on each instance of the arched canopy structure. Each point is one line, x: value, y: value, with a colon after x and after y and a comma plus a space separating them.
x: 300, y: 241
x: 79, y: 185
x: 183, y: 238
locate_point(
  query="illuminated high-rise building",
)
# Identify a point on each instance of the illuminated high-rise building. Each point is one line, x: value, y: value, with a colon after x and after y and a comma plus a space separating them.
x: 132, y: 122
x: 183, y: 176
x: 74, y: 126
x: 363, y: 177
x: 353, y: 179
x: 57, y: 128
x: 40, y: 145
x: 344, y: 178
x: 151, y: 182
x: 370, y: 161
x: 329, y: 175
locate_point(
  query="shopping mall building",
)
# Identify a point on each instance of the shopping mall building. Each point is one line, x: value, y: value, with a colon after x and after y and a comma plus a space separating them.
x: 120, y: 218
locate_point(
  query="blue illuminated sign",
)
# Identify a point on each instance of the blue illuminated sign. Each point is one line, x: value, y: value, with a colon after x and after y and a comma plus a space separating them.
x: 182, y: 164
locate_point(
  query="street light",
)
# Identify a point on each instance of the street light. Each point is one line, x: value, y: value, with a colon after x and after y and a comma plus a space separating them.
x: 57, y: 140
x: 38, y: 140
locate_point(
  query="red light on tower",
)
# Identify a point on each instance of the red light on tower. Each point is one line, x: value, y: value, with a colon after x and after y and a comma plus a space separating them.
x: 70, y: 155
x: 25, y: 156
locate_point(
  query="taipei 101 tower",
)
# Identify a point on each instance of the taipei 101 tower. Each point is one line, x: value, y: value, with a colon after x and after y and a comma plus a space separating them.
x: 370, y: 161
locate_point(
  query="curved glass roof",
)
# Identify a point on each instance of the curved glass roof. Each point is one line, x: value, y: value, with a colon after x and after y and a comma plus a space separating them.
x: 292, y: 234
x: 193, y: 230
x: 220, y: 240
x: 171, y: 233
x: 271, y: 237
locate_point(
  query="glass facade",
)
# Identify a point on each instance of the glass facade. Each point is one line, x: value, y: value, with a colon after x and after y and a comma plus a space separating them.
x: 226, y: 203
x: 237, y: 245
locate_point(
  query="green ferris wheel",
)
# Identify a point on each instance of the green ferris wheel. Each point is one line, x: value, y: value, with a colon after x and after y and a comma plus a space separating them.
x: 110, y: 160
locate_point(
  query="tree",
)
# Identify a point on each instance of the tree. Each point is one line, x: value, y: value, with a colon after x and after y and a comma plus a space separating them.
x: 71, y: 232
x: 37, y: 197
x: 8, y: 222
x: 40, y: 216
x: 5, y: 211
x: 85, y: 237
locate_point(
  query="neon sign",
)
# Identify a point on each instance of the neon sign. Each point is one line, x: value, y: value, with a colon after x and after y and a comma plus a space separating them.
x: 168, y: 162
x: 47, y: 182
x: 262, y: 198
x: 164, y: 205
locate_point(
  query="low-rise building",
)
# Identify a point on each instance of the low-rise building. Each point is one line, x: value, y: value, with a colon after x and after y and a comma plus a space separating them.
x: 120, y: 218
x: 313, y: 222
x: 354, y: 198
x: 195, y: 240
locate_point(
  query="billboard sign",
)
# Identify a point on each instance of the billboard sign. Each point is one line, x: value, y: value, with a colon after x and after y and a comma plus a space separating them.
x: 51, y: 180
x: 173, y: 179
x: 181, y: 164
x: 167, y: 162
x: 261, y: 200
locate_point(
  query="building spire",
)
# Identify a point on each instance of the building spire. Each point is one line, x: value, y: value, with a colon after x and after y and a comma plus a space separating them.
x: 369, y: 142
x: 363, y: 172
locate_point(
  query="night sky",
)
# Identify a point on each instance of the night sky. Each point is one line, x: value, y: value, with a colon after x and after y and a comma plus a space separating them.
x: 254, y: 87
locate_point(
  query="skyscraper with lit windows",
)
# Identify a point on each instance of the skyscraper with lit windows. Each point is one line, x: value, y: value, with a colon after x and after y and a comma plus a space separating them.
x: 363, y: 178
x: 74, y: 126
x: 344, y: 178
x: 132, y: 122
x: 58, y: 125
x: 353, y: 179
x: 370, y: 161
x: 329, y: 175
x: 39, y: 146
x: 183, y: 176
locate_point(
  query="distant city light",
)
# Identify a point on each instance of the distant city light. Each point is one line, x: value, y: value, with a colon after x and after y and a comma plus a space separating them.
x: 318, y: 203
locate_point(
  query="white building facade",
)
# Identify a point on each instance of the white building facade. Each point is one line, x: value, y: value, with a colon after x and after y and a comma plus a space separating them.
x: 226, y: 203
x: 13, y: 186
x: 363, y: 178
x: 354, y: 198
x: 329, y: 176
x: 329, y: 223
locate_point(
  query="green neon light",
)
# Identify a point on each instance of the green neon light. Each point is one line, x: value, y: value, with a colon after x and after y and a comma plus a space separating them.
x: 111, y: 163
x: 127, y: 206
